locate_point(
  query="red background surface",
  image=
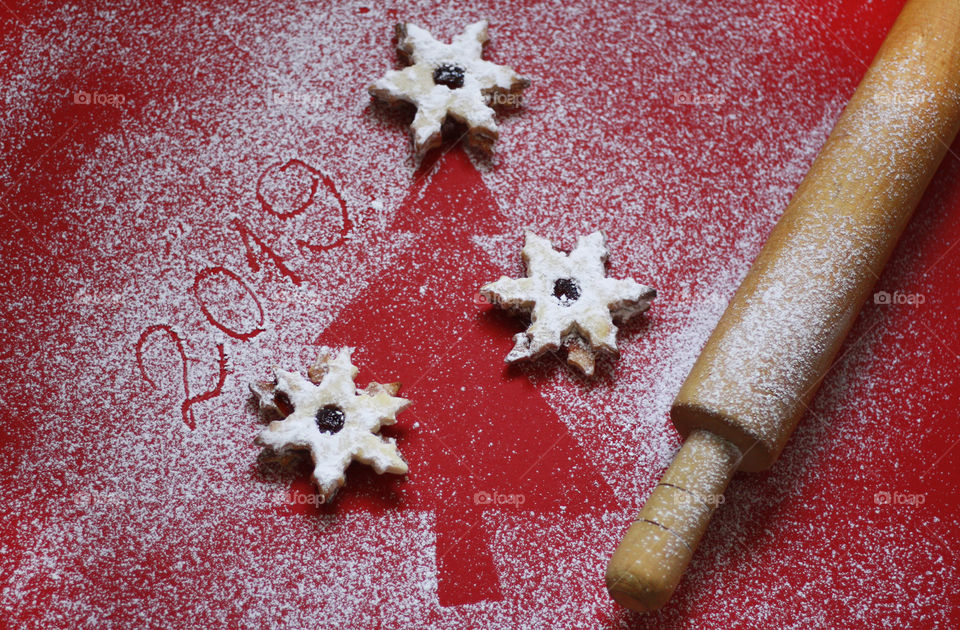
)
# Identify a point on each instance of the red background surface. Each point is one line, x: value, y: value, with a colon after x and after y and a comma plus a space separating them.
x: 216, y: 285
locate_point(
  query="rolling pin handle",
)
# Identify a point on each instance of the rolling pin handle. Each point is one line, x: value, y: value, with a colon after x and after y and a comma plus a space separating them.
x: 647, y: 566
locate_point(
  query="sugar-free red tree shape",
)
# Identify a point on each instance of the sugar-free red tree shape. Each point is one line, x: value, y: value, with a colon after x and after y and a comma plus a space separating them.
x: 486, y: 442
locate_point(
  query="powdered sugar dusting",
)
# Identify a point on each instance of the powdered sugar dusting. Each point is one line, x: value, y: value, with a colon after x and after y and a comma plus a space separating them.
x: 679, y: 130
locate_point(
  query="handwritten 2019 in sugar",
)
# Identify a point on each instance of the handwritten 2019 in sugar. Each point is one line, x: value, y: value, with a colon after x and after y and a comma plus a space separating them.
x: 257, y: 251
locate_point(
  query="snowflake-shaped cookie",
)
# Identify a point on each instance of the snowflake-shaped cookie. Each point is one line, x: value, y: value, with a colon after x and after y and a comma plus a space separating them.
x: 449, y: 80
x: 570, y: 301
x: 327, y: 415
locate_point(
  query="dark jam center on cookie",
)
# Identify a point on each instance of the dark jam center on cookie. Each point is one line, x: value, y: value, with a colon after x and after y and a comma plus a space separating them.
x: 566, y: 290
x: 449, y: 75
x: 330, y: 419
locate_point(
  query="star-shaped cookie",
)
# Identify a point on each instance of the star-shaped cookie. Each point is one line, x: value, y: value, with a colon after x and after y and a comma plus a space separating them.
x: 327, y: 415
x: 569, y: 300
x: 449, y: 80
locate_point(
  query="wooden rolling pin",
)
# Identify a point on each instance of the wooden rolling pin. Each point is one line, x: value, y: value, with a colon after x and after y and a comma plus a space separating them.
x: 781, y: 332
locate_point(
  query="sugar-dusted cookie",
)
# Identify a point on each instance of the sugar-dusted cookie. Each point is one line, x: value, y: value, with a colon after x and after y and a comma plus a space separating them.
x: 449, y: 80
x: 569, y: 300
x: 327, y: 415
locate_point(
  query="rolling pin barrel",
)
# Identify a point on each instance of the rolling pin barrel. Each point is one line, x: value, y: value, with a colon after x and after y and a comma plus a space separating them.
x: 782, y: 329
